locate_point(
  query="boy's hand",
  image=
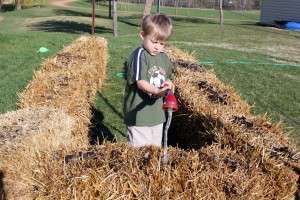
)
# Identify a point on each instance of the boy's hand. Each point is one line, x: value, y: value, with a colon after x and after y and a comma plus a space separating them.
x: 153, y: 91
x: 170, y: 85
x: 167, y: 85
x: 162, y: 91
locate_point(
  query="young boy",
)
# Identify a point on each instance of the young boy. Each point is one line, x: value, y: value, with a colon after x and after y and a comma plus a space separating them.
x: 148, y: 76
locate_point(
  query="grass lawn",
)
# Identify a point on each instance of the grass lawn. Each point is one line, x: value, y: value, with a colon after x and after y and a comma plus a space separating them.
x: 242, y: 54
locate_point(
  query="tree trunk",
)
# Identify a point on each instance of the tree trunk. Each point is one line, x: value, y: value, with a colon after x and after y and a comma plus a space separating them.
x: 18, y: 4
x: 221, y: 13
x: 93, y: 17
x: 158, y: 6
x: 243, y: 4
x: 147, y: 8
x: 115, y: 19
x: 109, y: 9
x: 176, y: 7
x: 190, y: 3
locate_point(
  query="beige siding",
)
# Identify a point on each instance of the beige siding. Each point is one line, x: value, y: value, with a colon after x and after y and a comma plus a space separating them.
x: 285, y: 10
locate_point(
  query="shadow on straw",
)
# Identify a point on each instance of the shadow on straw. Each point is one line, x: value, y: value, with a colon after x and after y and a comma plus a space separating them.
x: 98, y: 132
x: 2, y: 191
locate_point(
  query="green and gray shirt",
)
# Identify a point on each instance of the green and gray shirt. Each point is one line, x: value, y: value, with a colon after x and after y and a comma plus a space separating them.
x: 140, y: 109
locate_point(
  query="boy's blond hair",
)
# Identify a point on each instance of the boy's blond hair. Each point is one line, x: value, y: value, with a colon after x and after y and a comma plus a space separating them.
x: 159, y: 25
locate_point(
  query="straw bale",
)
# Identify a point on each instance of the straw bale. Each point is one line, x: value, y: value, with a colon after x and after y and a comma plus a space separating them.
x: 202, y: 95
x: 83, y: 51
x: 23, y: 135
x: 242, y: 156
x: 16, y: 126
x: 212, y: 112
x: 69, y: 81
x: 118, y: 171
x: 177, y: 54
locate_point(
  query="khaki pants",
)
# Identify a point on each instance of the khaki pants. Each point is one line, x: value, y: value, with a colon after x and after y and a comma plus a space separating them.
x: 145, y: 135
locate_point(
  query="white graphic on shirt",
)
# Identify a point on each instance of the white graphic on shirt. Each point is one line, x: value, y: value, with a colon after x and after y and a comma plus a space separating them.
x: 157, y: 76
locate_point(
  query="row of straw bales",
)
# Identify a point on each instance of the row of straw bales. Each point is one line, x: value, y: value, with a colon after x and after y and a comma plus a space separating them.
x: 55, y: 113
x: 69, y: 81
x: 242, y: 156
x: 118, y: 171
x: 222, y: 111
x: 227, y: 120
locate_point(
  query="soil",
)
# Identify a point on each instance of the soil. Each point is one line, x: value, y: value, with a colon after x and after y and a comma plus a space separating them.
x: 61, y: 3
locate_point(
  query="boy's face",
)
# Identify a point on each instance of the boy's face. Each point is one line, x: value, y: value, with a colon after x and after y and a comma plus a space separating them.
x: 151, y: 44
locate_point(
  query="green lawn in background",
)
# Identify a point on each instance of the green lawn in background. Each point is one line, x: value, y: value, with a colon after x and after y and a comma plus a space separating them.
x: 270, y: 88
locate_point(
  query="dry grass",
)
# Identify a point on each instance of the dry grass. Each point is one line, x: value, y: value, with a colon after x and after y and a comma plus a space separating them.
x: 223, y: 113
x: 248, y: 157
x: 25, y: 133
x: 68, y: 83
x: 118, y: 171
x: 212, y: 112
x: 241, y: 156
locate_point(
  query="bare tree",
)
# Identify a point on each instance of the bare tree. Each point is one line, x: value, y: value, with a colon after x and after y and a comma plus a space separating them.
x: 221, y: 13
x: 190, y: 3
x: 109, y: 9
x: 158, y: 6
x: 243, y: 4
x: 176, y: 7
x: 18, y: 4
x: 115, y: 18
x: 147, y: 8
x: 93, y: 17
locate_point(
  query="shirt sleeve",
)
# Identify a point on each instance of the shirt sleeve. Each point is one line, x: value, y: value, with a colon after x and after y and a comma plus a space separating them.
x: 137, y: 69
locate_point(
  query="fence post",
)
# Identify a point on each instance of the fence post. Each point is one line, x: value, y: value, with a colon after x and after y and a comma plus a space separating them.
x: 115, y: 18
x: 93, y: 17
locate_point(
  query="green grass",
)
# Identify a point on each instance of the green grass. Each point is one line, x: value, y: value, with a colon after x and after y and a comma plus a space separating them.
x: 271, y: 89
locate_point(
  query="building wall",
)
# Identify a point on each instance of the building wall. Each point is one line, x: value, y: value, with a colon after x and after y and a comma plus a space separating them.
x: 281, y: 10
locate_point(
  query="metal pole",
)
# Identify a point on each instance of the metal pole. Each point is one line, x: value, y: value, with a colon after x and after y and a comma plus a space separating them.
x: 165, y: 147
x: 115, y: 18
x: 158, y: 6
x: 221, y: 13
x: 93, y: 17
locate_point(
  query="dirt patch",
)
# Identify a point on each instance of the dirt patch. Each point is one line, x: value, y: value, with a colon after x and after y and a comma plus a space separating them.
x: 1, y: 18
x: 61, y: 3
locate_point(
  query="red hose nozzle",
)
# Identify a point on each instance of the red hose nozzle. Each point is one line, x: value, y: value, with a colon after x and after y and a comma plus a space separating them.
x: 170, y: 102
